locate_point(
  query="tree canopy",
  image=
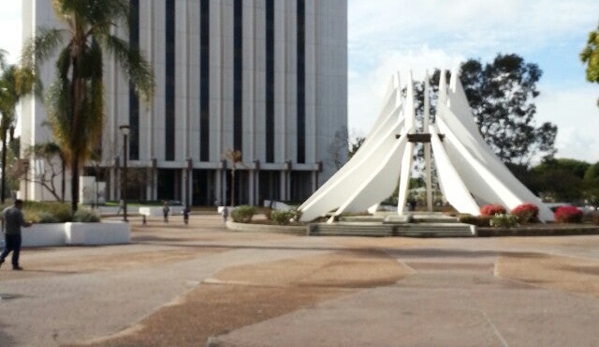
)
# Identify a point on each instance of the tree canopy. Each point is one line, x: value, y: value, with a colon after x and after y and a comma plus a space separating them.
x: 590, y: 56
x: 16, y: 82
x: 501, y: 96
x: 75, y: 100
x: 563, y: 179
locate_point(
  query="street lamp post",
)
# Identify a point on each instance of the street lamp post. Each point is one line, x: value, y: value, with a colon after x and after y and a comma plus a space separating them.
x: 125, y: 131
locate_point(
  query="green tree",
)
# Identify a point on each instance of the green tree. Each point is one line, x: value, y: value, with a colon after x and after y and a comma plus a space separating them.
x: 590, y: 56
x: 338, y: 147
x: 75, y: 100
x: 354, y: 146
x: 48, y: 153
x: 15, y: 83
x: 500, y: 95
x: 560, y: 179
x: 591, y: 183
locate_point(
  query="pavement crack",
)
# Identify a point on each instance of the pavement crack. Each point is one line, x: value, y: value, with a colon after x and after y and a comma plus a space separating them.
x: 495, y: 330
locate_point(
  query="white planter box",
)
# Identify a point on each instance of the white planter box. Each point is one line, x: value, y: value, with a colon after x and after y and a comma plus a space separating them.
x: 43, y: 235
x: 107, y: 233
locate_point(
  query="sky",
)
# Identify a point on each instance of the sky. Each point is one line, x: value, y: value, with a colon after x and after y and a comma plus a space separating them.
x: 385, y: 36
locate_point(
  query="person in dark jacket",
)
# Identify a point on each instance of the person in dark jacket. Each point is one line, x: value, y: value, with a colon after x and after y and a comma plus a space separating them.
x: 12, y: 221
x: 165, y: 211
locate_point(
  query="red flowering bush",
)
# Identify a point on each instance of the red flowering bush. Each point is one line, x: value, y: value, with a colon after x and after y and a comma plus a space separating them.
x: 492, y: 209
x: 526, y: 213
x: 568, y: 214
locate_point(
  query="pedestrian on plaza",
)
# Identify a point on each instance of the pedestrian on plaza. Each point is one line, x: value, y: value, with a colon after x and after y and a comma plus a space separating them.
x: 143, y: 220
x: 225, y: 213
x: 121, y: 207
x: 12, y: 221
x: 186, y: 215
x: 165, y: 211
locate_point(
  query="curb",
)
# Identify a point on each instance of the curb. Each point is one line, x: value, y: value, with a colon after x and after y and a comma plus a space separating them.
x: 536, y: 231
x: 294, y: 230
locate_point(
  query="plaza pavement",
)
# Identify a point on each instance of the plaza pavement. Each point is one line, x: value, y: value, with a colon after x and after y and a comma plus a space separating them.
x: 202, y: 285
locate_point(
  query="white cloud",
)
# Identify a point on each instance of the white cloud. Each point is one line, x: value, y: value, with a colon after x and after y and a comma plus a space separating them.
x: 388, y: 35
x: 366, y: 88
x: 470, y: 27
x: 576, y: 115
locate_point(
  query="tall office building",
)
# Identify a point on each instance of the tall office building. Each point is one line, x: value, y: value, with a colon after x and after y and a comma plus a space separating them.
x: 265, y: 77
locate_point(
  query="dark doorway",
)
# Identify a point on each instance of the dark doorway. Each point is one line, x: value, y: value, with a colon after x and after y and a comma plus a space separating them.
x: 270, y: 185
x: 169, y: 183
x: 301, y: 186
x: 203, y: 188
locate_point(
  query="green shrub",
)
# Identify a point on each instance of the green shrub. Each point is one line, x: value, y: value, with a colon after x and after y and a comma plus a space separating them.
x: 504, y: 221
x: 46, y: 218
x: 84, y: 215
x: 34, y: 209
x: 283, y: 217
x: 526, y: 213
x: 268, y: 213
x: 492, y: 209
x: 243, y: 213
x: 568, y: 214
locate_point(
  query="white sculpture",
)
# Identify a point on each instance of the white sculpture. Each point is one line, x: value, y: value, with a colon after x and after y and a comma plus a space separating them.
x: 469, y: 173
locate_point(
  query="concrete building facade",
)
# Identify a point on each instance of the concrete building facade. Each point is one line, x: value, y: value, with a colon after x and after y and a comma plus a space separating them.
x: 267, y: 78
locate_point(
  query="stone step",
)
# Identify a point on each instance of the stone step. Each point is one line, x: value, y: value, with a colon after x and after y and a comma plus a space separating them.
x: 350, y: 229
x: 453, y: 229
x: 387, y: 229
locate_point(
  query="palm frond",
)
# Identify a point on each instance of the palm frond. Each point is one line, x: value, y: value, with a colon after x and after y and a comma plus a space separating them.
x: 3, y: 54
x: 41, y: 47
x: 138, y: 69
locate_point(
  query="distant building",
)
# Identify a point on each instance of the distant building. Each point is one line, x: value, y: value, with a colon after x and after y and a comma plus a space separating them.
x: 266, y: 77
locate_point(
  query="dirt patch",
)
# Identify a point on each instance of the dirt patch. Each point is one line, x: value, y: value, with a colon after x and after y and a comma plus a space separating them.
x: 575, y: 275
x: 346, y: 269
x: 245, y: 295
x: 94, y: 263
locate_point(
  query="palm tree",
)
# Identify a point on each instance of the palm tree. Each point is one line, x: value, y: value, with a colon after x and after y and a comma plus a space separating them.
x: 75, y: 100
x: 15, y: 83
x: 235, y: 157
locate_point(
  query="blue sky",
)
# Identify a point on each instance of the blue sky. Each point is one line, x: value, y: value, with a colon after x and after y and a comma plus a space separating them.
x: 389, y: 35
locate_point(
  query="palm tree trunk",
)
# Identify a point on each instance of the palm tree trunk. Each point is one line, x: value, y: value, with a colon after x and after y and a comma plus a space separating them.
x: 64, y: 181
x: 233, y: 186
x: 74, y: 183
x: 3, y: 166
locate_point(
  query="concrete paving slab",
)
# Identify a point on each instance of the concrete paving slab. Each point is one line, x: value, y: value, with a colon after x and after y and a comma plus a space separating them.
x: 289, y: 290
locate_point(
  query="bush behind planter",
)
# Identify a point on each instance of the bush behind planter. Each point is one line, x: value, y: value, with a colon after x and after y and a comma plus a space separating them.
x: 526, y: 213
x: 243, y: 213
x: 504, y: 221
x: 39, y: 211
x: 492, y: 209
x: 568, y: 214
x: 42, y: 212
x: 85, y: 215
x: 283, y: 217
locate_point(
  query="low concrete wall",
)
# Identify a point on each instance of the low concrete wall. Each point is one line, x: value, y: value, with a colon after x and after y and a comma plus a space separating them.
x: 60, y: 234
x: 108, y: 233
x: 283, y: 229
x: 43, y: 235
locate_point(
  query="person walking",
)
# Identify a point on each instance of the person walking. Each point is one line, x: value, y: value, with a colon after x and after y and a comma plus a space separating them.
x: 165, y: 211
x: 121, y: 207
x: 12, y: 221
x: 186, y: 215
